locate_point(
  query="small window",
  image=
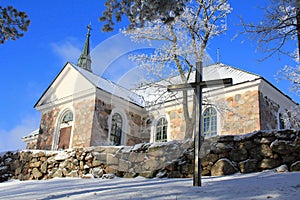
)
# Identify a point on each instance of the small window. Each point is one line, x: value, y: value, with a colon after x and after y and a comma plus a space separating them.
x: 209, y: 122
x: 68, y: 117
x: 281, y: 122
x: 161, y: 130
x: 116, y: 129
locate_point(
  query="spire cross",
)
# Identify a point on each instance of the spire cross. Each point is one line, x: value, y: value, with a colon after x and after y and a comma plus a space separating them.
x: 89, y: 27
x: 84, y: 60
x: 197, y: 86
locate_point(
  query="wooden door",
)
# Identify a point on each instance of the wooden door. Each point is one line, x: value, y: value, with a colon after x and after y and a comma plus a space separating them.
x: 64, y: 138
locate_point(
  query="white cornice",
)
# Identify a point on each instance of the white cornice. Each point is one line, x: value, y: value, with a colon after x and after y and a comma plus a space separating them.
x: 79, y: 95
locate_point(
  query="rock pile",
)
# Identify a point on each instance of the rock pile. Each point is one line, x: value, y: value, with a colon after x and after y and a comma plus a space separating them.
x: 220, y: 155
x: 253, y: 152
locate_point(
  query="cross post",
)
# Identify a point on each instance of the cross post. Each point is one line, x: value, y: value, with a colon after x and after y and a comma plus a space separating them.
x: 197, y: 86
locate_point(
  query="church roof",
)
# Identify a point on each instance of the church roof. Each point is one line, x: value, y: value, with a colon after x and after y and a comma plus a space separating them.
x: 221, y: 71
x: 31, y: 135
x: 111, y: 87
x: 211, y: 72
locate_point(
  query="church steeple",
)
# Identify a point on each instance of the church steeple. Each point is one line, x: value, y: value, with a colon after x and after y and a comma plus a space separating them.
x: 84, y: 61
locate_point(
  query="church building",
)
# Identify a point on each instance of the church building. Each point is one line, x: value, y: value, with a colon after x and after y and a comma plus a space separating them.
x: 82, y: 109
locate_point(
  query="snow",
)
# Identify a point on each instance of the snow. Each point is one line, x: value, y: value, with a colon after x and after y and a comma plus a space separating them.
x: 111, y: 87
x: 264, y: 185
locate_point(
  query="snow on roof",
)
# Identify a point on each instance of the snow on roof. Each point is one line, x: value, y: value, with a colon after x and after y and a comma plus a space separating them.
x: 31, y: 135
x: 158, y: 94
x: 221, y: 71
x: 111, y: 87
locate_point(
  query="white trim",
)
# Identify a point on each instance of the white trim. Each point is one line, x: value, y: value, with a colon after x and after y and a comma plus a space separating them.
x: 125, y: 127
x: 218, y: 118
x: 58, y: 126
x: 67, y: 99
x: 153, y: 127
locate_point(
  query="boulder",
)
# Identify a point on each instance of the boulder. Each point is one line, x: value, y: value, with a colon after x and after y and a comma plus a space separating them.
x: 97, y: 172
x: 282, y: 147
x: 239, y: 154
x: 282, y: 168
x: 269, y: 163
x: 248, y: 166
x: 44, y: 167
x: 61, y: 156
x: 223, y: 167
x: 295, y: 166
x: 72, y: 174
x: 36, y: 173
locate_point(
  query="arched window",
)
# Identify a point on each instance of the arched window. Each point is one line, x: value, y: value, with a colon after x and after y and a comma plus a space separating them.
x: 116, y: 129
x: 209, y: 122
x: 68, y: 117
x: 161, y: 130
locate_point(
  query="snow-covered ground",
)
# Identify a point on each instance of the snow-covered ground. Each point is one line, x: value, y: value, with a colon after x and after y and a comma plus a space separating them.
x: 254, y: 186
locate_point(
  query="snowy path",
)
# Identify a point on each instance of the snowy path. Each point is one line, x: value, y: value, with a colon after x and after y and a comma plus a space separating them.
x: 254, y: 186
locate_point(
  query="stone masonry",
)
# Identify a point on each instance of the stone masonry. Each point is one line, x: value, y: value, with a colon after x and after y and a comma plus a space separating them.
x: 220, y: 155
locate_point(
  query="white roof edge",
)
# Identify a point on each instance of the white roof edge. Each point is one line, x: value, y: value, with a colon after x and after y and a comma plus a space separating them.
x: 111, y: 87
x: 32, y: 134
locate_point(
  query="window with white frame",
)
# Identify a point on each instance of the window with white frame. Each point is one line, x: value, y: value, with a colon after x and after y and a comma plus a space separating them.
x: 116, y: 129
x: 209, y: 122
x: 281, y: 124
x: 161, y: 130
x: 68, y: 117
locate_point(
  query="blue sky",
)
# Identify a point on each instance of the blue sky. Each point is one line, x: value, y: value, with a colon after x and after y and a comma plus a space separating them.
x: 56, y: 35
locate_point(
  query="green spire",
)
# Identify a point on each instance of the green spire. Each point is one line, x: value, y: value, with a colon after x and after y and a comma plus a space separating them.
x: 84, y: 60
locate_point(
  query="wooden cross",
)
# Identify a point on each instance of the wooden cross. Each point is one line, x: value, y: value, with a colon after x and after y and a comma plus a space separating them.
x: 197, y: 86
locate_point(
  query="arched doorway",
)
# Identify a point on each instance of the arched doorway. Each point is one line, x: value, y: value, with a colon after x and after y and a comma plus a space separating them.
x: 65, y: 129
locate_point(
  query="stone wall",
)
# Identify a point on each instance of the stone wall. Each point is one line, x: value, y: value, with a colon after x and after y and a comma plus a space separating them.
x: 242, y: 108
x: 268, y: 113
x: 220, y: 156
x: 139, y: 129
x: 100, y: 122
x: 83, y: 122
x: 47, y: 126
x: 135, y: 133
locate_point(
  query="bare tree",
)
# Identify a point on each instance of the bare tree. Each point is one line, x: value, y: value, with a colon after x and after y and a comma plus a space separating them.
x: 185, y: 40
x: 280, y: 26
x: 12, y: 23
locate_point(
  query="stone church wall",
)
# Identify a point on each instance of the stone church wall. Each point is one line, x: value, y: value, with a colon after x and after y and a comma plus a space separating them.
x: 242, y: 114
x: 100, y: 123
x: 238, y: 114
x: 139, y: 129
x: 268, y: 113
x: 82, y: 124
x: 47, y: 127
x: 84, y: 113
x: 136, y: 130
x: 220, y: 155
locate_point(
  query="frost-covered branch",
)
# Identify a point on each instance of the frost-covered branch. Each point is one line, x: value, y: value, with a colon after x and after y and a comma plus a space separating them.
x: 139, y: 12
x: 279, y: 26
x: 185, y: 40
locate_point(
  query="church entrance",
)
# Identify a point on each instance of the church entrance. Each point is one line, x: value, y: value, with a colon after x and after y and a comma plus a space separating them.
x: 65, y: 130
x: 64, y: 138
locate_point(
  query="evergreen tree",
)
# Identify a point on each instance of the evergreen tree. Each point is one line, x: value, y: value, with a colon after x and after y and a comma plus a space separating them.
x: 13, y: 23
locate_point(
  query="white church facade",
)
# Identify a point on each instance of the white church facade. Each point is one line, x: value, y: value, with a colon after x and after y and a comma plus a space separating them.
x: 82, y: 109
